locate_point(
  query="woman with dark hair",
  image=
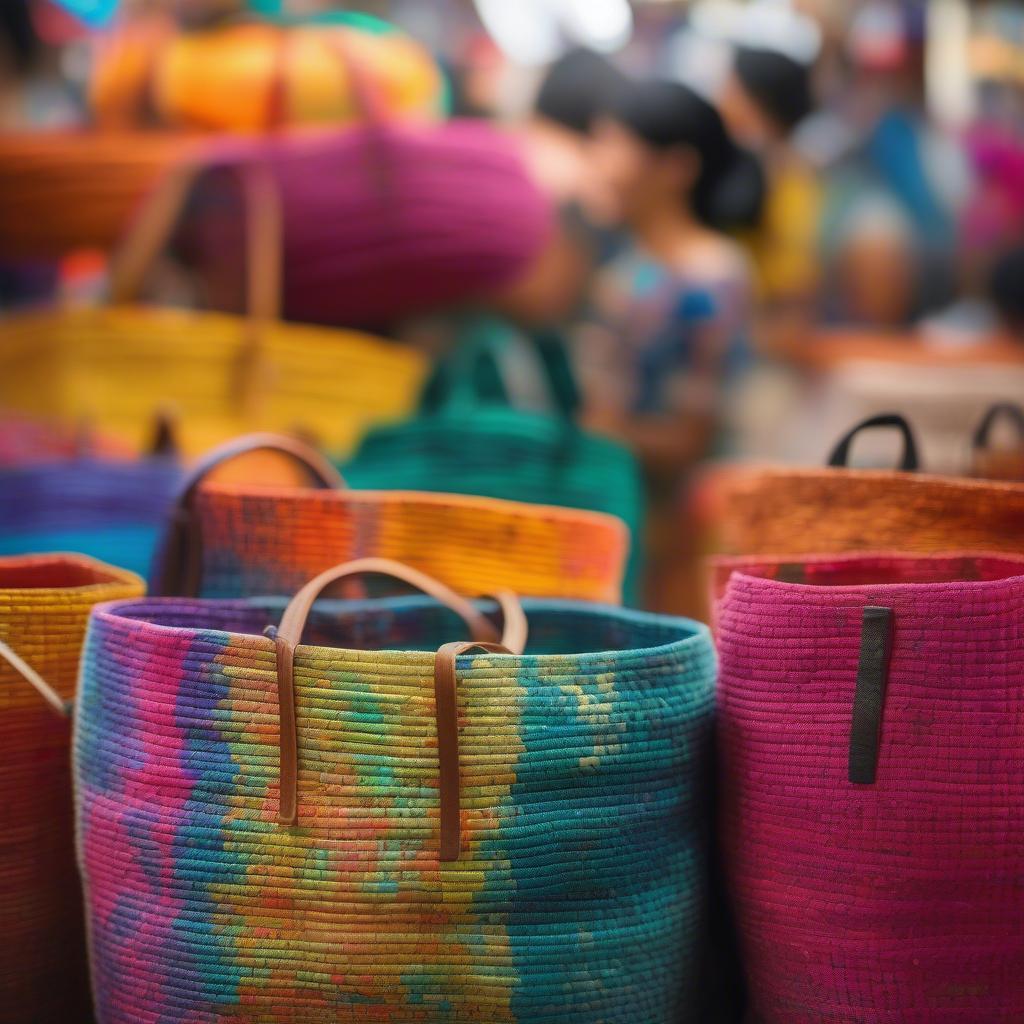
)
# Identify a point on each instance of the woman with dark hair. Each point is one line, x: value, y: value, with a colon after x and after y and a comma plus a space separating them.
x: 670, y: 311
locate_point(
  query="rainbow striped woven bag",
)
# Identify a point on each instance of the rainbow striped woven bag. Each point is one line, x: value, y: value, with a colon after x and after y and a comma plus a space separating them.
x: 870, y: 731
x: 228, y: 540
x: 44, y: 604
x: 397, y: 821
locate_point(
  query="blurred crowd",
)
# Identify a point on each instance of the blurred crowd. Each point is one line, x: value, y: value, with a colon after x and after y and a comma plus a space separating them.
x: 742, y: 195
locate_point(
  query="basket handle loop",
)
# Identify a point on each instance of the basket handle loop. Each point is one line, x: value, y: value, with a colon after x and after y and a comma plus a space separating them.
x: 447, y: 713
x: 1000, y: 410
x: 288, y: 636
x: 178, y: 566
x: 264, y: 232
x: 55, y: 701
x: 909, y: 463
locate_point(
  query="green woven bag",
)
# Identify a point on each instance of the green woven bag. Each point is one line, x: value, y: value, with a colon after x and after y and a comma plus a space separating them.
x: 467, y: 438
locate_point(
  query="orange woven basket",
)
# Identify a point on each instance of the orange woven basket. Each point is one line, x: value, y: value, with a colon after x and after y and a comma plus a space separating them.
x: 45, y: 601
x: 77, y: 190
x: 232, y: 540
x: 777, y: 511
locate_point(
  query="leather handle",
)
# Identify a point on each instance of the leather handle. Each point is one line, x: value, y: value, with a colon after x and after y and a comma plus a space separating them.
x: 177, y: 568
x: 1001, y: 410
x: 446, y: 710
x: 55, y: 701
x: 289, y: 635
x: 515, y: 629
x: 153, y: 227
x: 909, y: 462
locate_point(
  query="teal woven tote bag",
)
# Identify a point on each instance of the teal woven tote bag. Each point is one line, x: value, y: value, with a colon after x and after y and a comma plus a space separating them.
x: 468, y: 438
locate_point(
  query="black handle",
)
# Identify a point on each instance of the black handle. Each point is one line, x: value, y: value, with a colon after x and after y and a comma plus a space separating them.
x: 1006, y: 410
x: 908, y: 464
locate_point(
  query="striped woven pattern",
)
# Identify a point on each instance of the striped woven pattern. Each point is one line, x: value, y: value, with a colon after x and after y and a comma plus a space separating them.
x: 111, y: 510
x: 898, y: 901
x: 578, y: 895
x: 117, y: 367
x: 271, y: 540
x: 44, y: 604
x: 790, y: 511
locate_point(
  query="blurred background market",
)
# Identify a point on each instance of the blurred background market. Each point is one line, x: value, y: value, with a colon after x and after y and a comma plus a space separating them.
x: 686, y: 234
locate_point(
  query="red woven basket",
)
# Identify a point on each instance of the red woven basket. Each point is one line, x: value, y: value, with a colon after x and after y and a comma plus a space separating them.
x: 871, y: 724
x: 45, y: 601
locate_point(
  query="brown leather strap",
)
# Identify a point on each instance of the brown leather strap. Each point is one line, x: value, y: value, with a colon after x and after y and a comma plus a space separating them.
x: 178, y: 569
x: 515, y: 629
x: 446, y: 711
x: 56, y: 702
x: 289, y: 636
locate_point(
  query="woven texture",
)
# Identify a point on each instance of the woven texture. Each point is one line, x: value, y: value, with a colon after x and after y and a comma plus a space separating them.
x: 467, y: 443
x: 433, y: 216
x: 44, y: 604
x: 111, y: 510
x: 899, y: 901
x: 272, y: 540
x: 77, y: 190
x: 790, y: 511
x: 578, y: 896
x: 118, y: 367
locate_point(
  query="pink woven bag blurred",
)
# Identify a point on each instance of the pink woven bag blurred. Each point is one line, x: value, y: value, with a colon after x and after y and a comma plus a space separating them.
x: 871, y: 723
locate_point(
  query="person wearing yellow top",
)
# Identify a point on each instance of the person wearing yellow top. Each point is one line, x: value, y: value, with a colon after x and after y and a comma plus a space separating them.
x: 767, y: 95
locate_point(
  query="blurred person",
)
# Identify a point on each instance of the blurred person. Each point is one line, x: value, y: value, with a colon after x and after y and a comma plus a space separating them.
x: 873, y: 264
x: 1006, y: 289
x: 670, y: 311
x: 668, y: 315
x: 767, y: 96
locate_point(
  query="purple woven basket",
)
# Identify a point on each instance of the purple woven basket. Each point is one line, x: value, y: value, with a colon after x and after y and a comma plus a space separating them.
x: 872, y: 757
x: 380, y: 222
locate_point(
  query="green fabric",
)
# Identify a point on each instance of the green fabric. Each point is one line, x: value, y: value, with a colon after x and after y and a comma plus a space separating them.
x: 468, y: 439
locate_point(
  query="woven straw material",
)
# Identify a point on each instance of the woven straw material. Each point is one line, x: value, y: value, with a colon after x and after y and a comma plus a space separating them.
x: 118, y: 367
x: 897, y: 901
x: 789, y: 511
x: 504, y: 453
x: 271, y: 540
x: 77, y: 190
x: 579, y: 893
x: 44, y: 604
x: 108, y: 509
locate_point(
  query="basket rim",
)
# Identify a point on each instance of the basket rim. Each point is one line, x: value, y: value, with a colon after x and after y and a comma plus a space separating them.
x: 693, y: 635
x: 114, y: 577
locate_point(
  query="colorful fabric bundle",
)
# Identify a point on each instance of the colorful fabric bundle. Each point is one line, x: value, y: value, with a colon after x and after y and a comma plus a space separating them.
x: 220, y: 375
x: 255, y: 76
x: 870, y: 735
x: 783, y: 510
x: 476, y: 837
x: 44, y: 604
x: 467, y: 441
x: 430, y: 216
x: 229, y: 540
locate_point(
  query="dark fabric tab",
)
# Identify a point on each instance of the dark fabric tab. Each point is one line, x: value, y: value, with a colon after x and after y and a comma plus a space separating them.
x: 872, y: 676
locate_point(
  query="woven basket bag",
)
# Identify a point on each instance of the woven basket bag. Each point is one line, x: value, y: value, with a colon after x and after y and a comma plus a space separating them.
x: 786, y: 510
x: 219, y: 374
x: 396, y: 820
x: 57, y: 498
x: 231, y: 540
x: 993, y: 462
x: 44, y: 604
x: 870, y: 729
x: 467, y: 441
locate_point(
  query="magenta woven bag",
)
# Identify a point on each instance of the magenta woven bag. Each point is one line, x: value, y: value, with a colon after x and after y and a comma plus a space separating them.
x: 871, y: 722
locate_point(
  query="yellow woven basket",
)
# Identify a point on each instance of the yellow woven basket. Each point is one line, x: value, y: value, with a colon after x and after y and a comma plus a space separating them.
x: 220, y: 375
